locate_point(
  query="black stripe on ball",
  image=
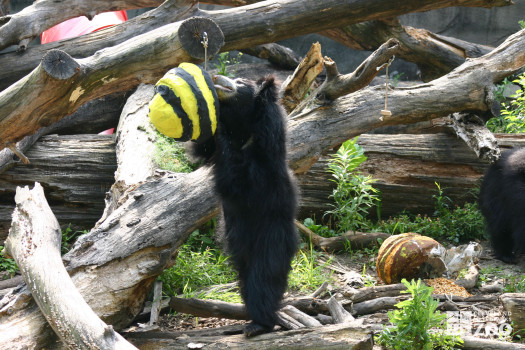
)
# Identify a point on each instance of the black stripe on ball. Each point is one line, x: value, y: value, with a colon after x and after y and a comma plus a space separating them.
x: 202, y: 106
x: 169, y: 96
x: 211, y: 86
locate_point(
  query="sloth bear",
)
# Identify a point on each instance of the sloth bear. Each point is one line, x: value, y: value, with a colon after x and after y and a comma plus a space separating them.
x: 257, y: 192
x: 502, y: 202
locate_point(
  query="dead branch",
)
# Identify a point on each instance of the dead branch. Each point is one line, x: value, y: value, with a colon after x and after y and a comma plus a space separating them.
x: 276, y: 54
x: 209, y: 308
x: 434, y: 54
x: 337, y: 85
x: 297, y: 85
x: 375, y: 305
x: 34, y: 243
x: 473, y: 343
x: 338, y: 312
x: 471, y: 129
x: 304, y: 319
x: 356, y: 240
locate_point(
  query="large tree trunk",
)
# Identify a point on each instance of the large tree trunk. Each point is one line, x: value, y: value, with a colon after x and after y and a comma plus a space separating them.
x: 34, y: 242
x: 76, y: 172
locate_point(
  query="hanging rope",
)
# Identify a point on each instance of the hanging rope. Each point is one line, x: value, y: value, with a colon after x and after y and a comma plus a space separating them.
x: 204, y: 43
x: 385, y: 112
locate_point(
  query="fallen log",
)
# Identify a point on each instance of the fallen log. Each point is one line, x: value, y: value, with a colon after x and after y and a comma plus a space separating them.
x: 356, y: 240
x: 76, y: 171
x: 338, y: 336
x: 473, y: 343
x: 34, y: 243
x: 514, y: 305
x: 406, y: 167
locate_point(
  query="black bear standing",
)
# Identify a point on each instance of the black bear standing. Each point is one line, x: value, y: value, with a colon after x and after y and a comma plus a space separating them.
x: 257, y: 192
x: 502, y: 202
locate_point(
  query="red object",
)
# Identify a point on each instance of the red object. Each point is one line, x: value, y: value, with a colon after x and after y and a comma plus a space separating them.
x: 81, y: 25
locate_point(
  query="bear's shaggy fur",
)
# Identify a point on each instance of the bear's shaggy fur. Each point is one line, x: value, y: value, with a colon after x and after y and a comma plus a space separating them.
x: 257, y: 192
x: 502, y: 202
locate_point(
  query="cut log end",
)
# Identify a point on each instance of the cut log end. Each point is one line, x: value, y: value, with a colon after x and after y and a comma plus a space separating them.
x: 191, y: 35
x: 59, y: 65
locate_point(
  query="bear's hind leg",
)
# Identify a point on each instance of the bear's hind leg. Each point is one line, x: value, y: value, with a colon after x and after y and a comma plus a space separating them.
x: 503, y: 245
x: 264, y: 286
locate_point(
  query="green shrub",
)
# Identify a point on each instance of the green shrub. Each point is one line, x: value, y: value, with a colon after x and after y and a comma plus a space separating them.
x: 7, y: 264
x: 354, y: 194
x: 454, y: 224
x: 417, y: 325
x: 512, y: 119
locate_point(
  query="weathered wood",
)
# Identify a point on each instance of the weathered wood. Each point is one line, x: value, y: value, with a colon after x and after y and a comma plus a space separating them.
x: 339, y: 336
x: 34, y: 243
x: 466, y: 88
x: 473, y: 343
x: 434, y: 54
x: 375, y: 305
x: 91, y: 118
x: 337, y: 85
x: 76, y: 171
x: 406, y: 167
x: 122, y: 66
x: 514, y: 304
x: 139, y: 236
x: 338, y: 312
x: 276, y: 54
x: 369, y: 293
x: 356, y: 240
x: 471, y: 129
x: 300, y: 316
x: 209, y: 308
x: 297, y: 84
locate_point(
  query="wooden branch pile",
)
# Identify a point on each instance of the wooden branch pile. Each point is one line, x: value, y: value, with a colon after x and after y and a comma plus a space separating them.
x: 148, y: 213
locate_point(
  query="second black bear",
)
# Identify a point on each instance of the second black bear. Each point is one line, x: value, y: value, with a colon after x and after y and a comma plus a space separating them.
x: 257, y: 192
x: 502, y: 202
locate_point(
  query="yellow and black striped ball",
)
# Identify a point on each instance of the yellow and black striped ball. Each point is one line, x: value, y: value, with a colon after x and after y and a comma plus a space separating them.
x: 185, y: 105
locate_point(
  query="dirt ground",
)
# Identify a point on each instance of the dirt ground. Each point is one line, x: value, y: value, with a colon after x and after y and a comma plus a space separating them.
x: 492, y: 271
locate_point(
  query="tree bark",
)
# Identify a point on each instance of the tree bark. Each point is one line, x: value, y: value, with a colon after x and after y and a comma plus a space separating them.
x: 514, y: 304
x: 434, y: 54
x: 76, y: 172
x: 91, y: 118
x: 332, y: 336
x: 34, y: 243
